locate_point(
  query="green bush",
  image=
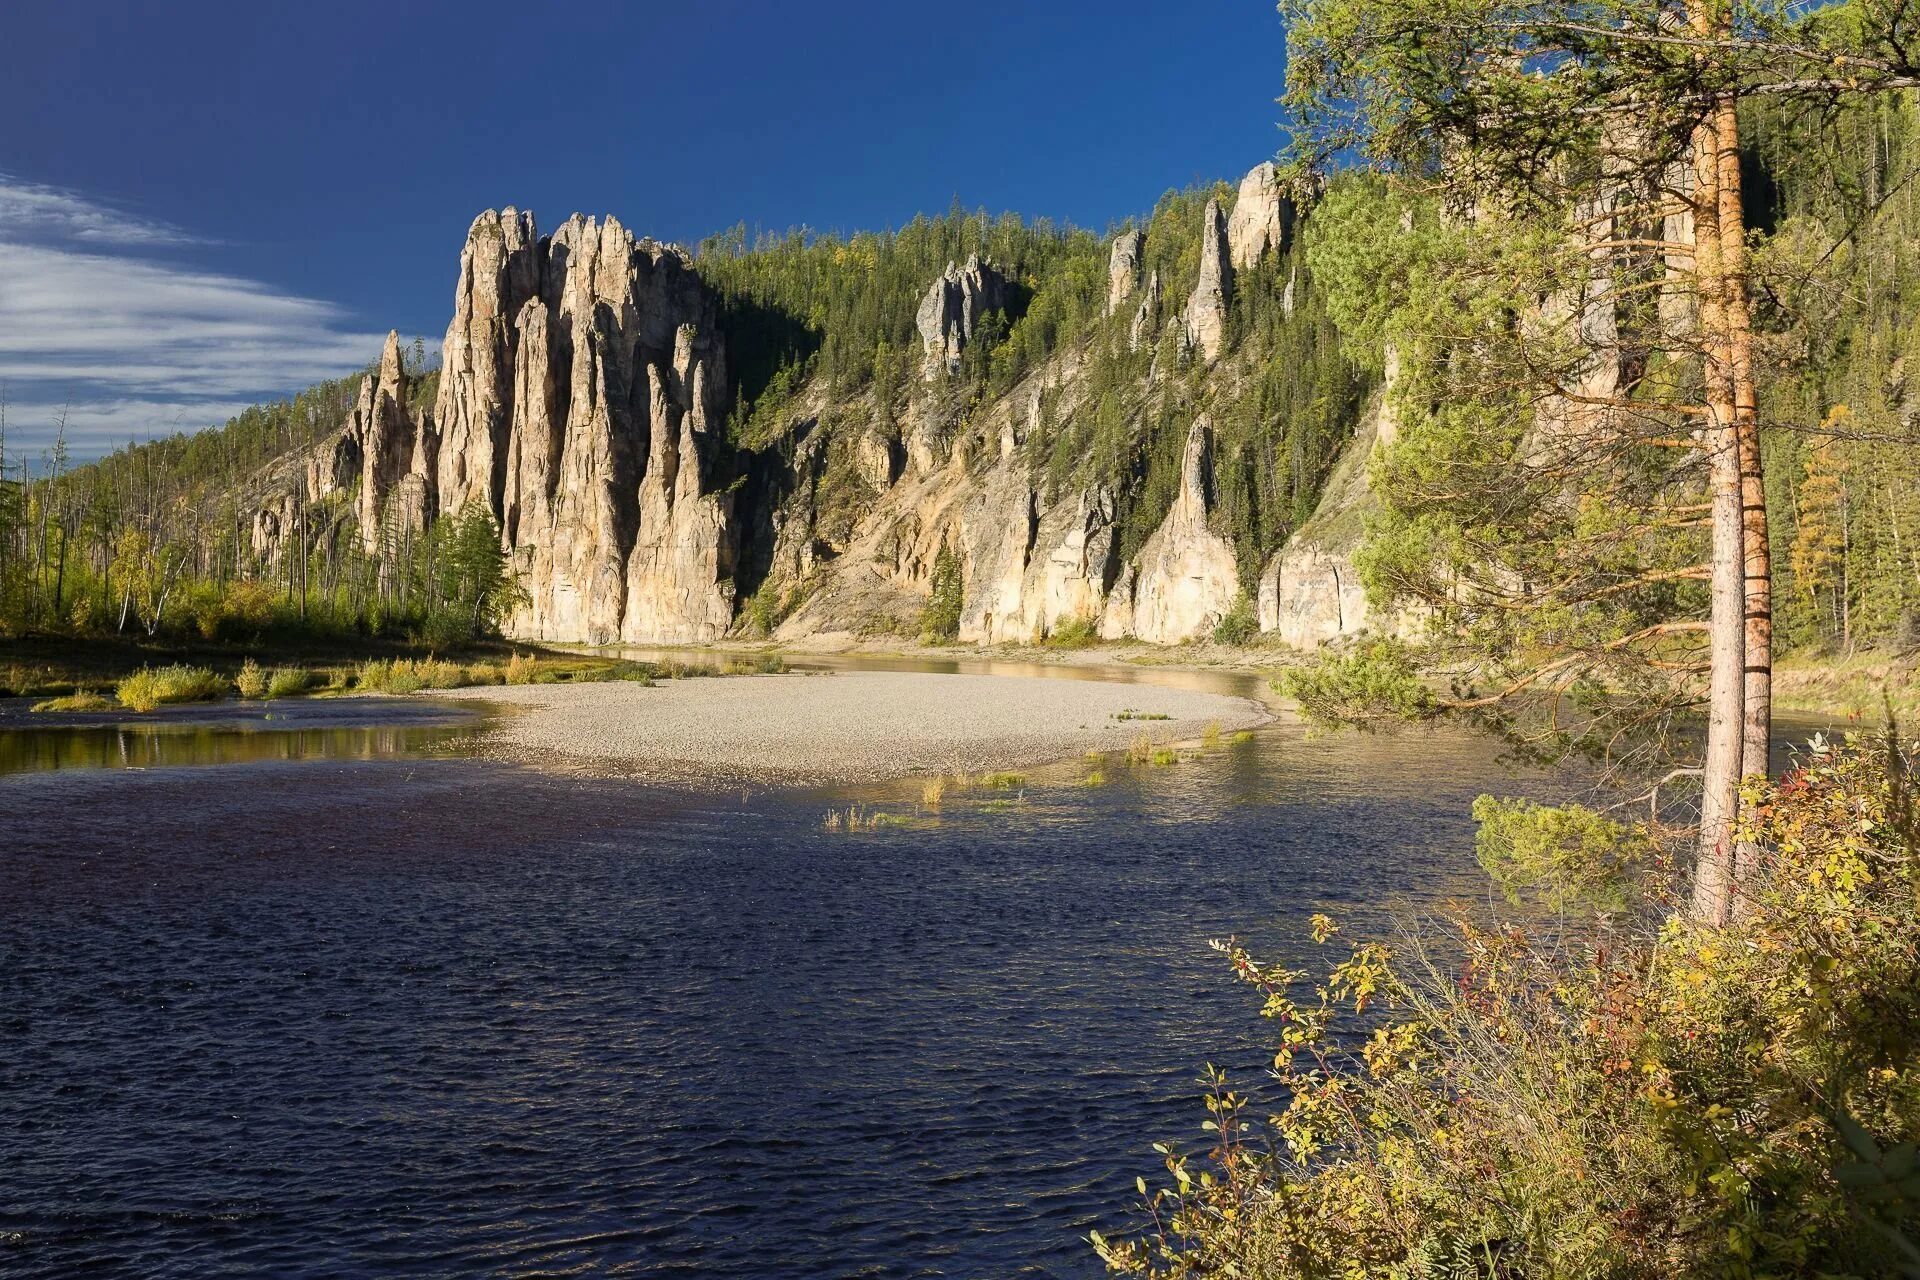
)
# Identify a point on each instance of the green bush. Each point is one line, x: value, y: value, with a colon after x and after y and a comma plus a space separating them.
x: 291, y: 682
x: 1075, y: 633
x: 151, y: 687
x: 1674, y: 1099
x: 1239, y: 625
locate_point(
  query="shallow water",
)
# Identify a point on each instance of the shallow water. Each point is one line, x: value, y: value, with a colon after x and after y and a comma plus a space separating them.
x: 428, y: 1015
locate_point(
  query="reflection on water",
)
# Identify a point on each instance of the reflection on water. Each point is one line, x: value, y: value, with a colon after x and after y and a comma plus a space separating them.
x: 224, y: 733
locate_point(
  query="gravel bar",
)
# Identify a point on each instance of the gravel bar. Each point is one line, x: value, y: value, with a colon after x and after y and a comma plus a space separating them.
x: 843, y: 726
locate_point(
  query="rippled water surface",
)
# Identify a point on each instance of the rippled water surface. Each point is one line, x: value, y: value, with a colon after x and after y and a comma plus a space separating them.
x: 413, y: 1014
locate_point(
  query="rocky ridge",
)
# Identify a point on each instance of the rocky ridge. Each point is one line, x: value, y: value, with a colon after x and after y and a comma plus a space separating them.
x: 582, y: 390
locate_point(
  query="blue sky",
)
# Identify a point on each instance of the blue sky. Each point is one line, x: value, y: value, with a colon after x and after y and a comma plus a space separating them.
x: 206, y: 205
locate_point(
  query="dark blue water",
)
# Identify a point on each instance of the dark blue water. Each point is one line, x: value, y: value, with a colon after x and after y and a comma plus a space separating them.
x: 443, y: 1017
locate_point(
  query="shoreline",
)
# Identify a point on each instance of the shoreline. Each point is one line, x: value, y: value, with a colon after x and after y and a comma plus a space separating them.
x: 839, y: 727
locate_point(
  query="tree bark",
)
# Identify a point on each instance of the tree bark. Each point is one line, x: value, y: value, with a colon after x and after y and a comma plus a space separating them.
x: 1720, y: 774
x: 1757, y: 568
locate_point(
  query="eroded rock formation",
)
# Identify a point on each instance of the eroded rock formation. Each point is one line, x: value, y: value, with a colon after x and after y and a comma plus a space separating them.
x: 952, y: 308
x: 1123, y: 268
x: 1262, y: 217
x: 1206, y: 315
x: 582, y: 381
x: 1187, y: 577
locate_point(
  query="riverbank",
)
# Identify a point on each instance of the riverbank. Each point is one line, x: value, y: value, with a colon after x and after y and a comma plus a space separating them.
x: 845, y: 726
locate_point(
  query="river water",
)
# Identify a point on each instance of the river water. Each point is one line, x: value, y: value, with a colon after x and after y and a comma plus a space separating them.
x: 326, y: 996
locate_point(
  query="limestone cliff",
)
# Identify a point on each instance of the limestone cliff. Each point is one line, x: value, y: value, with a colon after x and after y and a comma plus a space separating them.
x: 582, y: 397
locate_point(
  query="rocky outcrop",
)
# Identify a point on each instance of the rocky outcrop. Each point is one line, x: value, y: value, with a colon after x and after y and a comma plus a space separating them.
x: 1309, y: 592
x: 953, y: 307
x: 500, y: 270
x: 1144, y: 316
x: 1262, y: 218
x: 394, y: 453
x: 1206, y: 314
x: 1187, y: 578
x: 1123, y: 268
x: 582, y: 401
x: 582, y: 381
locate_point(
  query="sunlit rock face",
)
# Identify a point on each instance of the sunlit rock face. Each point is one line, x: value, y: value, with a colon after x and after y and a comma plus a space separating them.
x: 1123, y: 268
x: 1206, y: 316
x: 1262, y: 218
x: 582, y: 381
x: 1187, y: 578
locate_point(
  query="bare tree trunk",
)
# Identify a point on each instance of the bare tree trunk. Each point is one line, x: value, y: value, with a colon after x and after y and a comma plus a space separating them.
x: 1757, y: 567
x: 1720, y: 776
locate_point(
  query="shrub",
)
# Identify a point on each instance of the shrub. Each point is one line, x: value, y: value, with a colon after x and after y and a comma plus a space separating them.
x: 151, y: 687
x: 1075, y: 633
x: 1674, y: 1101
x: 522, y: 668
x: 252, y: 680
x: 485, y: 673
x: 290, y: 682
x: 1239, y: 624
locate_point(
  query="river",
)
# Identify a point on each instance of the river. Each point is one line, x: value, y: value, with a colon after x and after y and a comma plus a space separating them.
x: 328, y: 995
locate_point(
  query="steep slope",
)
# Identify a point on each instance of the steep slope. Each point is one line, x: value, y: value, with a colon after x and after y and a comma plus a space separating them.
x: 1127, y: 480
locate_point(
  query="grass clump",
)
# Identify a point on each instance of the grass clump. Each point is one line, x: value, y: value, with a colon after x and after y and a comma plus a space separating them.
x: 152, y: 687
x: 1001, y: 780
x: 252, y: 680
x: 522, y: 668
x: 1244, y: 735
x: 932, y: 792
x: 1096, y: 777
x: 1163, y: 756
x: 857, y: 817
x: 1129, y: 713
x: 1140, y: 750
x: 83, y: 700
x: 291, y: 682
x: 1211, y: 738
x: 1659, y: 1097
x: 758, y: 664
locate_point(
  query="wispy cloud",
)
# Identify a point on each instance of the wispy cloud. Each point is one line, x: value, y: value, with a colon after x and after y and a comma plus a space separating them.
x: 34, y: 211
x: 93, y: 317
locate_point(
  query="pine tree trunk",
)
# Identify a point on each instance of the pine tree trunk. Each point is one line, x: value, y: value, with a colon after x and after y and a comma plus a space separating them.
x: 1757, y: 567
x: 1720, y: 776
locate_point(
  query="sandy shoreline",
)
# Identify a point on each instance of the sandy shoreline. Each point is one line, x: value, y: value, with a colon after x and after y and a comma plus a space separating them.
x: 843, y: 726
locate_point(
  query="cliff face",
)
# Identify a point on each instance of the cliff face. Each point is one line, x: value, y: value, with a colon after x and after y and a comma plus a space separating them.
x: 582, y: 392
x: 581, y: 384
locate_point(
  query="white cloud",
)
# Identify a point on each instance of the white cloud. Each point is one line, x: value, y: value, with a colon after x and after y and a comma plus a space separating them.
x: 138, y: 346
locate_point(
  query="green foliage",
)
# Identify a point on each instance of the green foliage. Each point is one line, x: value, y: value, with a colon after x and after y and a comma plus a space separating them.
x: 940, y: 621
x: 840, y: 310
x: 1380, y: 680
x: 1738, y: 1101
x: 291, y: 682
x: 1239, y: 624
x: 473, y: 587
x: 151, y: 687
x: 1075, y: 633
x: 1561, y: 856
